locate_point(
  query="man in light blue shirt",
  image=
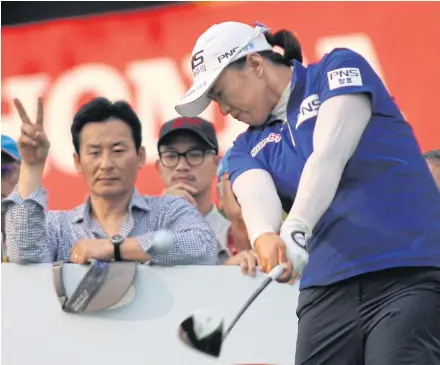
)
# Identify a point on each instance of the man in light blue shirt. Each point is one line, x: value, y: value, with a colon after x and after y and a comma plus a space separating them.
x: 115, y: 221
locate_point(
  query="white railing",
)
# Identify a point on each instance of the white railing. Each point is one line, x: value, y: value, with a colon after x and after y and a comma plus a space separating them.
x: 36, y: 331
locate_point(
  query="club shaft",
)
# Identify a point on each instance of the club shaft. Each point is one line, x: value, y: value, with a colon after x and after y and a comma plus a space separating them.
x: 257, y: 292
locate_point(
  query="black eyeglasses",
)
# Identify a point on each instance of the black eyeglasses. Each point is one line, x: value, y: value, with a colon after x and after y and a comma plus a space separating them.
x: 193, y: 157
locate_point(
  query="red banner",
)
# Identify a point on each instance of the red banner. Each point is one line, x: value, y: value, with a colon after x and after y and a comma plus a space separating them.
x: 143, y: 57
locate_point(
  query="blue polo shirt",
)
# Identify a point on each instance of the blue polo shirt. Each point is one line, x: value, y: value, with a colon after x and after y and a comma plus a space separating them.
x: 386, y: 211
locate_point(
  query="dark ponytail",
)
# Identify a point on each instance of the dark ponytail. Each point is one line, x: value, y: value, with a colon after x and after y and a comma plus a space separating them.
x: 283, y: 39
x: 288, y: 42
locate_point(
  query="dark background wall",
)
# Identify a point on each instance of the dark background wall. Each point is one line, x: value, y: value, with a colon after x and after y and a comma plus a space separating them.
x: 19, y: 12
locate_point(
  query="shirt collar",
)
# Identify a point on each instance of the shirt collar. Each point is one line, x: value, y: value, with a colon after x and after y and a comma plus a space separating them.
x: 280, y: 111
x: 299, y: 77
x: 83, y: 210
x: 279, y: 114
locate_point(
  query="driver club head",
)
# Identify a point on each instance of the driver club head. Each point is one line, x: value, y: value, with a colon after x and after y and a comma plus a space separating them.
x: 203, y: 331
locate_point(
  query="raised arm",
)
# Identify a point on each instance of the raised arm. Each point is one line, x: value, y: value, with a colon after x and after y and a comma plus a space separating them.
x: 27, y: 238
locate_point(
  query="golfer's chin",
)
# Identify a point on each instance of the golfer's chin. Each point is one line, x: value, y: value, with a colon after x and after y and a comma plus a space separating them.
x: 253, y: 121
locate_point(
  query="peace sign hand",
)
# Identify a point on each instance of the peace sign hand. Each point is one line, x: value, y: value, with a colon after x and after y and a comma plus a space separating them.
x: 33, y: 143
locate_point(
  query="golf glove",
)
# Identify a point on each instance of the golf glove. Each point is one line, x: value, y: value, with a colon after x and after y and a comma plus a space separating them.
x: 296, y: 246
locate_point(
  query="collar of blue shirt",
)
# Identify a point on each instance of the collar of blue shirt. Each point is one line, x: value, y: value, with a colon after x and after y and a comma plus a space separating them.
x: 81, y: 211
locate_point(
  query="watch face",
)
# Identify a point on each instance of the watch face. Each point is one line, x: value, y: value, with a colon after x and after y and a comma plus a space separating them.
x: 117, y: 238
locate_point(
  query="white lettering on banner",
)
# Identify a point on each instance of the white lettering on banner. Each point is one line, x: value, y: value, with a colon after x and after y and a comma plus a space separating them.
x: 159, y: 88
x: 309, y: 108
x: 62, y: 102
x: 27, y: 89
x: 344, y: 77
x: 273, y: 137
x: 164, y: 296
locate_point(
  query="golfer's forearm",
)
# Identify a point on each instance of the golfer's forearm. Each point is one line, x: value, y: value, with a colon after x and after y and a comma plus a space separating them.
x: 259, y: 201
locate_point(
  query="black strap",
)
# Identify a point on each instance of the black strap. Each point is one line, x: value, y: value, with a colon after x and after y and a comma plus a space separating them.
x: 86, y: 289
x: 117, y: 251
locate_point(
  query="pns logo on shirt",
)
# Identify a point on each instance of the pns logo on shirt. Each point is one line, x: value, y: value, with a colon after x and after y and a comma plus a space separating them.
x: 343, y: 77
x: 309, y: 108
x: 273, y: 137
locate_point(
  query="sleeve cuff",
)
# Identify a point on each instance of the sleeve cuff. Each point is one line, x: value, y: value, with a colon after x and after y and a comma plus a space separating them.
x: 257, y: 234
x: 38, y: 196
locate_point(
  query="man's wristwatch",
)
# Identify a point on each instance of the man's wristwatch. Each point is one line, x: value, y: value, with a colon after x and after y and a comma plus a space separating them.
x: 117, y: 240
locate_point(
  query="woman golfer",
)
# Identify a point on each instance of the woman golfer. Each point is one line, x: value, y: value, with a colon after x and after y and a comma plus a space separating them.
x: 328, y: 143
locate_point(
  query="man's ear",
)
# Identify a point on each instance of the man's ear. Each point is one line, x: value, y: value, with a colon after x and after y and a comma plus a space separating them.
x: 156, y: 164
x: 142, y: 156
x: 77, y: 162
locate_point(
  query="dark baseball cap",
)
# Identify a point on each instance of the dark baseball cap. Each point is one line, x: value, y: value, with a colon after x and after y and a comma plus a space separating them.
x: 201, y: 127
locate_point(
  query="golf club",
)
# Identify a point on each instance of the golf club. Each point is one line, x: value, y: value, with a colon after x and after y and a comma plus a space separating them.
x: 203, y: 330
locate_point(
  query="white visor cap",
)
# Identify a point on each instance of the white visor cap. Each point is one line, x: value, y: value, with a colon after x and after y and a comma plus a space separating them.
x: 215, y: 49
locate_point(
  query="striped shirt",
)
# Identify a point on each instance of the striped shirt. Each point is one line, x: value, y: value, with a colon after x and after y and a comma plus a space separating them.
x: 36, y: 235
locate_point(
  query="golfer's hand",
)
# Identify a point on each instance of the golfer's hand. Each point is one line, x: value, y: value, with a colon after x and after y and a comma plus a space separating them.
x: 296, y: 247
x: 271, y: 251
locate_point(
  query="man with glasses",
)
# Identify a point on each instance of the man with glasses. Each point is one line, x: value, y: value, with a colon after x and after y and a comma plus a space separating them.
x: 10, y: 173
x: 188, y: 161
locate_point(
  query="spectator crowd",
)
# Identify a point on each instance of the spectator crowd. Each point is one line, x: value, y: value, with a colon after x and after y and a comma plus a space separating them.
x: 115, y: 221
x: 108, y: 154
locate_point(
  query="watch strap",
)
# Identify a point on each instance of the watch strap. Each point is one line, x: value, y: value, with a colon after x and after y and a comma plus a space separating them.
x: 117, y: 241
